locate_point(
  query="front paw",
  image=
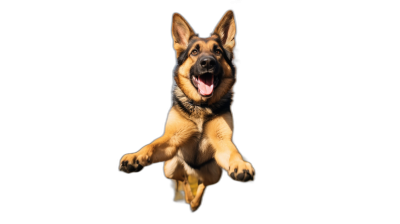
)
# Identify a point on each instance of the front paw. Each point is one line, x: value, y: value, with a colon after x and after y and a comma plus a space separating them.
x: 241, y: 170
x: 134, y: 162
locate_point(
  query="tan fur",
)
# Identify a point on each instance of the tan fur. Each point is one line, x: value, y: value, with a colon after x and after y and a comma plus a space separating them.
x: 198, y: 137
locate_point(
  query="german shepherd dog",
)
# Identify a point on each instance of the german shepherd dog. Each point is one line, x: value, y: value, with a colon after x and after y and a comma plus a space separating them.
x: 197, y: 141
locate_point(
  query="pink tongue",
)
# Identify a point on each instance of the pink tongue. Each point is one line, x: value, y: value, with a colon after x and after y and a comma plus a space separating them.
x: 206, y: 84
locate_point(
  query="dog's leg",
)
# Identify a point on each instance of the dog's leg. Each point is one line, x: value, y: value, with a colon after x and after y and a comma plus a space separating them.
x: 195, y: 203
x: 188, y: 190
x: 177, y: 131
x: 228, y: 157
x: 219, y: 132
x: 174, y: 170
x: 209, y: 175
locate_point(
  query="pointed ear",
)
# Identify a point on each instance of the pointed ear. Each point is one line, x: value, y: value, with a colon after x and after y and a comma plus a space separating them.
x: 226, y: 30
x: 181, y: 32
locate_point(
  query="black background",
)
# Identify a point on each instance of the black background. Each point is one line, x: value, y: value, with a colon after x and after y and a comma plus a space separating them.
x: 118, y: 62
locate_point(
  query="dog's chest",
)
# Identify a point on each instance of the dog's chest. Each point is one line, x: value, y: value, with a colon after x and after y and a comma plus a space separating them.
x: 202, y: 143
x: 198, y: 150
x: 200, y: 116
x: 199, y: 121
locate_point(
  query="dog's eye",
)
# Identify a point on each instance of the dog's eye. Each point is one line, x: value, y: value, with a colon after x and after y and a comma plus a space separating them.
x: 218, y: 52
x: 194, y: 52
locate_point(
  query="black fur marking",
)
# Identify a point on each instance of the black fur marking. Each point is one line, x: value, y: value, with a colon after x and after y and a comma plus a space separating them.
x: 182, y: 57
x: 181, y: 105
x: 185, y: 54
x: 223, y: 105
x: 225, y: 53
x: 197, y: 167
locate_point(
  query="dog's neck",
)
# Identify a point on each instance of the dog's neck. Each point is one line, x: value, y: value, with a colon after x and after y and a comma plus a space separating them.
x: 194, y: 109
x: 194, y: 103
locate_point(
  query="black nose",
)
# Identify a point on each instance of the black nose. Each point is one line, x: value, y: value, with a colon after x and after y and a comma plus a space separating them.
x: 207, y: 62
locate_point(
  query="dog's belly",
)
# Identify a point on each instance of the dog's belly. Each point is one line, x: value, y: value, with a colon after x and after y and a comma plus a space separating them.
x: 196, y: 156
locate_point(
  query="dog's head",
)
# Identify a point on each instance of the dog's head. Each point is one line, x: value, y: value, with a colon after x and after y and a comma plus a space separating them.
x: 205, y: 71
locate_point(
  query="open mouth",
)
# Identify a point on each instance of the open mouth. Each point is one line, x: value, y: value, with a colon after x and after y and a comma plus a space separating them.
x: 205, y: 84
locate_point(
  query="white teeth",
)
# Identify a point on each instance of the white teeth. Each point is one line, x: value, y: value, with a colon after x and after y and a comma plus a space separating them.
x: 195, y: 81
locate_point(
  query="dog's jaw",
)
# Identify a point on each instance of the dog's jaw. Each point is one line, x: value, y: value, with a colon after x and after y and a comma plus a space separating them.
x: 205, y: 84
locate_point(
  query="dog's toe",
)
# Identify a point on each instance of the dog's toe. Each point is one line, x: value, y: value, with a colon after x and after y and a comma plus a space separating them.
x: 241, y: 171
x: 128, y: 165
x: 130, y: 168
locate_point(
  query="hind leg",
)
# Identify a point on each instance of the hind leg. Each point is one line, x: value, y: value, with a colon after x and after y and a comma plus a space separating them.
x: 174, y: 170
x: 209, y: 174
x: 198, y: 200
